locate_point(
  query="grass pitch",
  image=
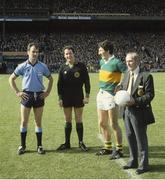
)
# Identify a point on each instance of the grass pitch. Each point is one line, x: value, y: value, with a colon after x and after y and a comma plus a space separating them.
x: 73, y: 163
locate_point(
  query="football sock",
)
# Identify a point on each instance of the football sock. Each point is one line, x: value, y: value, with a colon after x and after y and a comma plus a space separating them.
x: 108, y: 145
x: 80, y: 129
x: 39, y: 136
x: 119, y: 147
x: 23, y: 133
x: 68, y: 129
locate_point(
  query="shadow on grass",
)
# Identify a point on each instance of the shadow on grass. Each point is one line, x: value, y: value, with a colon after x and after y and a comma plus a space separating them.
x: 157, y: 168
x: 154, y: 152
x: 157, y: 152
x: 73, y: 150
x: 31, y: 151
x: 77, y: 150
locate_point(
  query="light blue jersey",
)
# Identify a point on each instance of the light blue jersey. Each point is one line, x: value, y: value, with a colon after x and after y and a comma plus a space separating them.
x: 32, y: 75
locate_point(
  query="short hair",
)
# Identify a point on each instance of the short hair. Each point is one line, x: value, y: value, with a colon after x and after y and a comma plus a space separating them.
x: 134, y: 56
x: 68, y: 47
x: 107, y: 46
x: 36, y: 45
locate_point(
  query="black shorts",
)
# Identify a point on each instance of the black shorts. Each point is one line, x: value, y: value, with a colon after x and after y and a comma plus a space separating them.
x: 73, y: 101
x: 34, y: 100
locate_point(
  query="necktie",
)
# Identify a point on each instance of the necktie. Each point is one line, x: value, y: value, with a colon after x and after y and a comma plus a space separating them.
x: 131, y: 82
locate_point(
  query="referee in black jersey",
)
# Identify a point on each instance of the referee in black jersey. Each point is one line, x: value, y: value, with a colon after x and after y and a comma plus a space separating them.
x: 73, y: 75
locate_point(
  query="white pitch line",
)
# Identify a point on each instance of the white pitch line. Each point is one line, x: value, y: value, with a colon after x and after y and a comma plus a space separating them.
x: 160, y: 91
x: 121, y: 163
x: 130, y: 172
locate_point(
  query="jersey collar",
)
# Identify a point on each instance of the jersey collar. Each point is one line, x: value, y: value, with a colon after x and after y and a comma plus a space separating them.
x: 31, y: 63
x: 109, y: 59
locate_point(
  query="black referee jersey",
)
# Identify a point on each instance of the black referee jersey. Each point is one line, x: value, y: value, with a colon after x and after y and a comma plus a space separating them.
x: 71, y: 80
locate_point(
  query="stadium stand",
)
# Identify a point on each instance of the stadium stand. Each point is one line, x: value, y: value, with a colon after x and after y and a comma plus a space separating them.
x: 24, y: 8
x: 15, y: 37
x: 47, y: 7
x: 150, y: 46
x: 132, y: 7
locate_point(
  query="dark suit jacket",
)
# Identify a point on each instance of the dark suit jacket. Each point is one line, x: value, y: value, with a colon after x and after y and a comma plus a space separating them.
x: 143, y: 93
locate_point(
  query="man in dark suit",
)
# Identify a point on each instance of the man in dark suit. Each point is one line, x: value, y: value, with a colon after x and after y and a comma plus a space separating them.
x: 138, y: 112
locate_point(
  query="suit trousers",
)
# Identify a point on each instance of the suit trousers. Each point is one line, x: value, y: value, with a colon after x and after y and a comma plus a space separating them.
x: 136, y: 133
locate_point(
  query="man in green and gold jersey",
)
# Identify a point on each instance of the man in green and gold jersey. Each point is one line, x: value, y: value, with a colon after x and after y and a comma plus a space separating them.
x: 111, y: 69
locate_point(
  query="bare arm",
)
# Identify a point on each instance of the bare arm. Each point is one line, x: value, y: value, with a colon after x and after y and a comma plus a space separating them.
x: 13, y: 85
x: 50, y: 84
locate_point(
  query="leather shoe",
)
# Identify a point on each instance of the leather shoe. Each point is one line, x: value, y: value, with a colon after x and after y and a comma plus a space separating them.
x: 129, y: 167
x: 82, y: 146
x: 40, y: 150
x: 140, y: 171
x: 116, y: 154
x: 63, y: 147
x: 104, y: 152
x: 21, y: 150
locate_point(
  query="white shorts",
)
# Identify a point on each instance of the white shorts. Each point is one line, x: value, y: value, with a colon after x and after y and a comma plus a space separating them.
x: 105, y: 100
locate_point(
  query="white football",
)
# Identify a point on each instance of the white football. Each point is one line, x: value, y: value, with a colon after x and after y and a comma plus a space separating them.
x: 121, y: 97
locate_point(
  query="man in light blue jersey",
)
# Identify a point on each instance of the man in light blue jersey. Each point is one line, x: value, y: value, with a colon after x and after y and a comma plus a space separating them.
x: 32, y: 94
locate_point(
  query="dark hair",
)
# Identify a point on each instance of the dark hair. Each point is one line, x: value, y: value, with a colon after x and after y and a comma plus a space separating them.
x: 36, y: 45
x: 68, y: 47
x: 107, y: 46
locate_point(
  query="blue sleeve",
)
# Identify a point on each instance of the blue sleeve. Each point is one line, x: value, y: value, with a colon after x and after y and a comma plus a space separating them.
x: 46, y: 71
x: 19, y: 70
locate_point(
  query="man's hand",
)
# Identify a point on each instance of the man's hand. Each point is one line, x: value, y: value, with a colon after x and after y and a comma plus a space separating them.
x: 131, y: 102
x: 118, y: 88
x: 60, y: 103
x: 86, y: 100
x: 44, y: 95
x: 22, y: 95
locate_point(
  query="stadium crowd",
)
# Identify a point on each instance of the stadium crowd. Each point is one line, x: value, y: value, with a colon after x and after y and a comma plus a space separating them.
x: 132, y: 7
x: 150, y: 46
x: 24, y: 8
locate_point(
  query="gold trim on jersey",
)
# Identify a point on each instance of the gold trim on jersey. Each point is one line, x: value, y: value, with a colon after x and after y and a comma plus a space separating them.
x: 112, y: 77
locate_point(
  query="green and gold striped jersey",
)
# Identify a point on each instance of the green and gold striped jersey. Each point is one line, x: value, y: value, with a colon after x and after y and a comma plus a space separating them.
x: 110, y: 73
